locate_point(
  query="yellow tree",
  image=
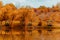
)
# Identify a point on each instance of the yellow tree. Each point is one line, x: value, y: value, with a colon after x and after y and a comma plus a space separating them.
x: 55, y: 18
x: 1, y: 4
x: 6, y: 10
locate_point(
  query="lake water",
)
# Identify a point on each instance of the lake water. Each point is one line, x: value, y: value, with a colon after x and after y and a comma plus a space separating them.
x: 34, y: 35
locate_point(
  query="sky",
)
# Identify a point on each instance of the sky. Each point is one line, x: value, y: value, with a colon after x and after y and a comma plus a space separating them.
x: 32, y: 3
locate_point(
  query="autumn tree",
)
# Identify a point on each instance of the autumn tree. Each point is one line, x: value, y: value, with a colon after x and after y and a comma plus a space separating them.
x: 1, y: 4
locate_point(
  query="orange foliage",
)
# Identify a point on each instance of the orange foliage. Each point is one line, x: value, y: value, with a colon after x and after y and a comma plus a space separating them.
x: 17, y: 17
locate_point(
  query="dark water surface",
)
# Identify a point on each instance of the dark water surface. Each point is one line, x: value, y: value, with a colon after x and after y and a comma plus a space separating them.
x: 34, y: 35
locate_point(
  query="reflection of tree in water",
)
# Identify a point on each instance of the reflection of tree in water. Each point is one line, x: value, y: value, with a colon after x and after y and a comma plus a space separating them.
x: 49, y: 27
x: 22, y: 32
x: 39, y: 26
x: 30, y: 28
x: 0, y: 28
x: 8, y: 29
x: 30, y: 32
x: 22, y: 35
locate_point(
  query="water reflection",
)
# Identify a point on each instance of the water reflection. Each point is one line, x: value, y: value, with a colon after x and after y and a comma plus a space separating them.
x: 44, y: 35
